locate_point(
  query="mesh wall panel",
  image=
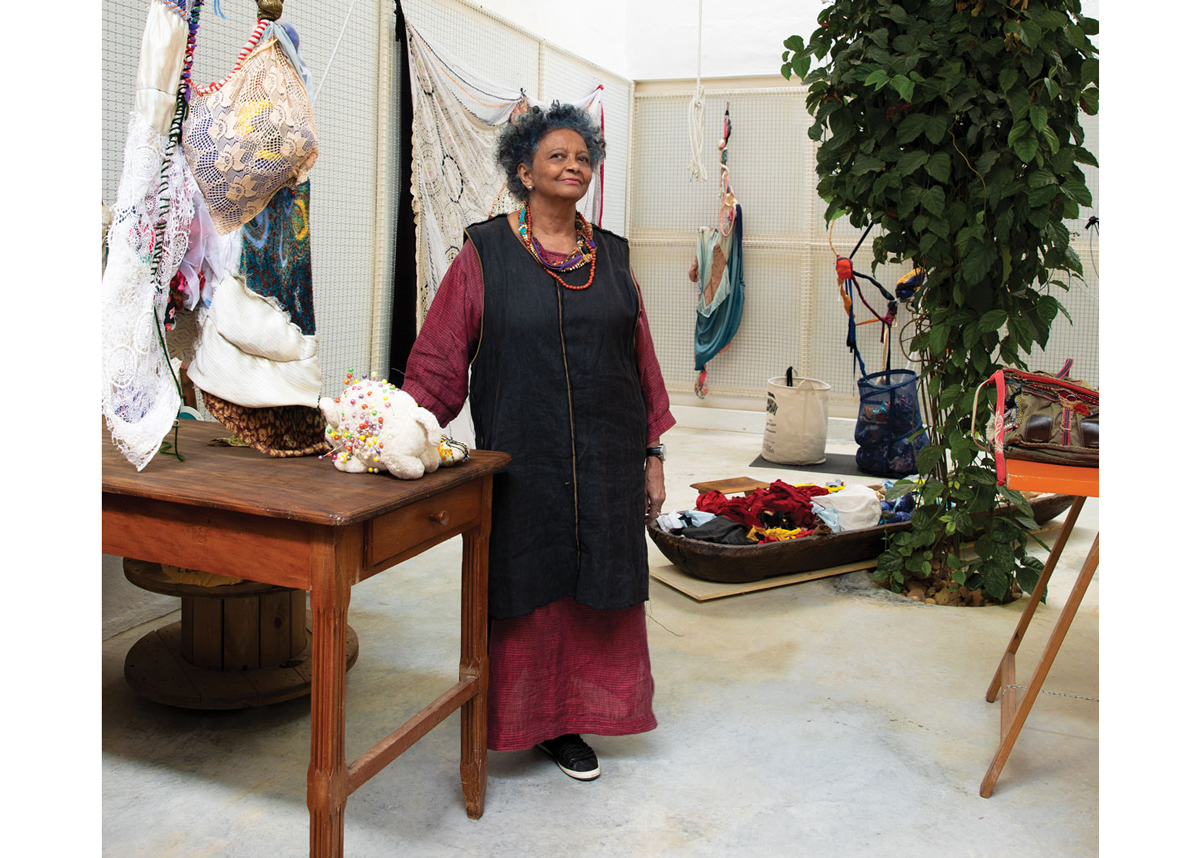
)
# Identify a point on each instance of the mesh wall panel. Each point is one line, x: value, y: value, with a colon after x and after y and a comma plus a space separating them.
x: 566, y: 78
x: 511, y: 56
x: 793, y: 310
x: 479, y: 40
x: 350, y: 263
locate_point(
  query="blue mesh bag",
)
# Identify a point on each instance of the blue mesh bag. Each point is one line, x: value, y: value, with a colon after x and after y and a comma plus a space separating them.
x: 889, y: 431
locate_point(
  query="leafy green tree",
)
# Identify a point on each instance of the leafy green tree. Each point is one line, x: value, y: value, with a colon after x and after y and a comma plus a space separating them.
x: 954, y: 126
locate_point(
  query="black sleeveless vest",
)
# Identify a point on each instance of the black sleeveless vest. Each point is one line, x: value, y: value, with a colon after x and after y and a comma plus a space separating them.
x: 554, y: 383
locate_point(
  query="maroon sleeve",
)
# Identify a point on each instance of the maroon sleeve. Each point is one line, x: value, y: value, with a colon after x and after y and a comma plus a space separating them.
x: 436, y: 374
x: 658, y: 404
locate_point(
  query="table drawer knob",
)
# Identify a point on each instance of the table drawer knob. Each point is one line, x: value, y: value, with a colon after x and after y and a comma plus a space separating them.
x: 442, y: 518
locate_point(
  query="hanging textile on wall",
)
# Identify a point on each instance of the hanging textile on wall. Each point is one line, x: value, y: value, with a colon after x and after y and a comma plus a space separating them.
x: 717, y: 273
x: 170, y: 268
x: 457, y: 115
x: 146, y: 243
x: 256, y: 361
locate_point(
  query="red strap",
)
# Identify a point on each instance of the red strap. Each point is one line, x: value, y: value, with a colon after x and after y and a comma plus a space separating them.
x: 998, y: 440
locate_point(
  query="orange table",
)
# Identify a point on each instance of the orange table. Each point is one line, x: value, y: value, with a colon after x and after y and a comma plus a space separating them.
x: 1014, y: 708
x: 299, y: 523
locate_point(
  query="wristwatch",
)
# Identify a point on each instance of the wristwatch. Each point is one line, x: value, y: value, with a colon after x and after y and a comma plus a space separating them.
x: 657, y: 452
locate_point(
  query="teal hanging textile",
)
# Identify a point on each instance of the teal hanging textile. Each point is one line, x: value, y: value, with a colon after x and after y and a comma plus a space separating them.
x: 718, y: 275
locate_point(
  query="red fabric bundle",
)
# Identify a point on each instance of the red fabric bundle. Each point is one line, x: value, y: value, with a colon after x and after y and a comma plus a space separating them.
x: 795, y: 502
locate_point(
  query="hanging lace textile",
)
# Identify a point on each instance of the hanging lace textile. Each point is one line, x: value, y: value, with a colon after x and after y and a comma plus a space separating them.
x: 717, y: 273
x: 148, y: 238
x: 256, y: 361
x: 457, y: 115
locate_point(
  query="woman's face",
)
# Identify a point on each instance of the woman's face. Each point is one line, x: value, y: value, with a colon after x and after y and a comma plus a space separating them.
x: 562, y: 167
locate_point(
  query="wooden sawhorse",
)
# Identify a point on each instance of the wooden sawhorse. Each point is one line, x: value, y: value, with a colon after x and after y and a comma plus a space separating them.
x: 1014, y: 708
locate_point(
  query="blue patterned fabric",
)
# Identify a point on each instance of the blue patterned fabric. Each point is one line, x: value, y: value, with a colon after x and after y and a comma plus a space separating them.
x: 276, y: 259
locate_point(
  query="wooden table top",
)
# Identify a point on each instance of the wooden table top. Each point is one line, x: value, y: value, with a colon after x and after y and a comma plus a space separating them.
x: 304, y: 488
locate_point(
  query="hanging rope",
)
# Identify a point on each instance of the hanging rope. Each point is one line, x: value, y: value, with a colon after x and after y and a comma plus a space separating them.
x: 336, y: 45
x: 696, y: 109
x: 848, y: 285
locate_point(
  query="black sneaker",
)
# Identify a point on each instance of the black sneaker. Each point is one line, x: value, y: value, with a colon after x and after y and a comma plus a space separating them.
x: 573, y: 756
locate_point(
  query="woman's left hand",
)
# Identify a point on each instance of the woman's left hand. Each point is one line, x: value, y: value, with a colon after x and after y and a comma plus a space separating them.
x: 656, y: 488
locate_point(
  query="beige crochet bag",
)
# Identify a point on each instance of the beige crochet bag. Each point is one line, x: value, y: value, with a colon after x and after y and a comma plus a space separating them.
x: 251, y: 134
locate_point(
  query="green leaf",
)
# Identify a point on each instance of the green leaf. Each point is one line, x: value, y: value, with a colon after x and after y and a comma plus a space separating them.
x: 939, y: 337
x: 935, y: 129
x: 1090, y: 26
x: 992, y: 320
x: 929, y: 457
x: 985, y: 161
x: 938, y: 166
x: 1052, y: 87
x: 866, y: 164
x: 1077, y: 190
x: 934, y: 199
x: 1038, y: 116
x: 1047, y: 308
x: 1026, y: 148
x: 1019, y: 130
x: 1038, y: 197
x: 1089, y: 71
x: 1051, y: 140
x: 910, y: 127
x: 1031, y: 33
x: 1032, y: 64
x: 976, y: 264
x: 903, y: 86
x: 794, y: 43
x: 1027, y: 578
x: 1052, y: 20
x: 909, y: 161
x: 996, y: 583
x: 877, y: 78
x: 1008, y: 77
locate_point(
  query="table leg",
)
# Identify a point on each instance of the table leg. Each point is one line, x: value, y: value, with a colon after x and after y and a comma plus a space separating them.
x: 327, y: 782
x: 473, y: 663
x: 1012, y: 730
x: 1039, y: 590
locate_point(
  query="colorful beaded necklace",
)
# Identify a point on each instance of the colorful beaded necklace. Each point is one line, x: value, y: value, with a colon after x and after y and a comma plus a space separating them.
x: 585, y: 250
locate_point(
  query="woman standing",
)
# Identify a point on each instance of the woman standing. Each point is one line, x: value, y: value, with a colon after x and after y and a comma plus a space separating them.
x: 544, y: 310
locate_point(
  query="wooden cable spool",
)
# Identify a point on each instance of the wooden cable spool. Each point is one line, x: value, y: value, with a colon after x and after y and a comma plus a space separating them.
x: 235, y: 646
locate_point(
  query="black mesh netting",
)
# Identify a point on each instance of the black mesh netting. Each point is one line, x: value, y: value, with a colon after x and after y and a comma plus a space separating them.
x: 889, y: 430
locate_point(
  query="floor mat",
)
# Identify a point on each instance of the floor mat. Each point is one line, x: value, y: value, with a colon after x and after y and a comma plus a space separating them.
x: 835, y: 463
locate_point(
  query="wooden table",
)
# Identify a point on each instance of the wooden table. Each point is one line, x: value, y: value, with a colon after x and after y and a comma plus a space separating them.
x: 300, y: 523
x: 1082, y: 483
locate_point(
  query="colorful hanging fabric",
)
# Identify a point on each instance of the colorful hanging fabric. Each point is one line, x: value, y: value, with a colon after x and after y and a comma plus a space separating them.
x: 262, y: 380
x: 717, y: 272
x: 276, y: 258
x: 457, y: 116
x: 147, y: 241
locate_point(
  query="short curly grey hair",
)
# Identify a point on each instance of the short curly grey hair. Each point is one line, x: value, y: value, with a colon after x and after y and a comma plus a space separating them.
x: 519, y: 140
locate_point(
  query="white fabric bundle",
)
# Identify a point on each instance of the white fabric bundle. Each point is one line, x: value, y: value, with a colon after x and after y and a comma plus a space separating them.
x: 251, y: 354
x: 852, y: 508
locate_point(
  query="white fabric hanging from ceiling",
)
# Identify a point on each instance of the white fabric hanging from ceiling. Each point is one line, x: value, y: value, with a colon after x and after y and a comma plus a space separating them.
x: 457, y: 116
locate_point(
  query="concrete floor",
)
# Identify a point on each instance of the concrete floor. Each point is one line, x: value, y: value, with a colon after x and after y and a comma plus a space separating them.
x: 819, y: 719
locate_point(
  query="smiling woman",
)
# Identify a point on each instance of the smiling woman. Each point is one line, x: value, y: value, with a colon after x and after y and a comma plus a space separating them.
x: 543, y: 309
